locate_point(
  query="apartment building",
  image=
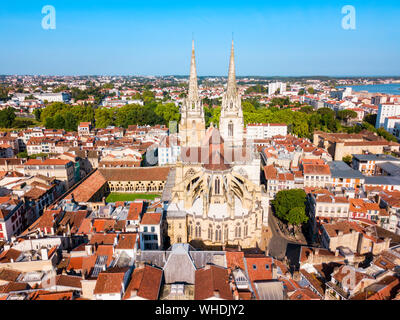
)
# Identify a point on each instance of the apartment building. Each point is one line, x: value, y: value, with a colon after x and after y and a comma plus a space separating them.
x: 265, y: 130
x: 324, y: 206
x: 366, y: 163
x: 316, y: 175
x: 62, y: 170
x: 386, y: 110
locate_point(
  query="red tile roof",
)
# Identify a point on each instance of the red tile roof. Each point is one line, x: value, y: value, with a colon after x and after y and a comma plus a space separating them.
x: 145, y: 283
x: 212, y: 281
x: 151, y: 218
x: 109, y: 283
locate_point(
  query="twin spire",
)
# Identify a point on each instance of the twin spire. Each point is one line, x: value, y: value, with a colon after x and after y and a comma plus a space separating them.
x: 193, y: 93
x: 231, y: 86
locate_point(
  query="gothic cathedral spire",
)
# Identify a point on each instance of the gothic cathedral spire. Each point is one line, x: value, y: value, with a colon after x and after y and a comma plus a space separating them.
x: 192, y: 125
x: 193, y: 93
x: 231, y: 86
x: 231, y: 120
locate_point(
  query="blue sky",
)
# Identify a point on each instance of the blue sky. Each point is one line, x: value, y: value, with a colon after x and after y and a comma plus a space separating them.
x: 272, y: 38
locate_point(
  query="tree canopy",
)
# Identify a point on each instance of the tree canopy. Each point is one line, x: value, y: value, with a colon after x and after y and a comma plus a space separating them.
x: 7, y: 117
x: 290, y: 206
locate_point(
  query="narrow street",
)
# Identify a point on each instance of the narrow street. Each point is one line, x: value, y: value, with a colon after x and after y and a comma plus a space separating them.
x: 280, y: 246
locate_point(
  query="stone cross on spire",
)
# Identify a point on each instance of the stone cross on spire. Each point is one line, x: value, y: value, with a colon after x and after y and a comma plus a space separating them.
x: 231, y: 87
x: 193, y: 94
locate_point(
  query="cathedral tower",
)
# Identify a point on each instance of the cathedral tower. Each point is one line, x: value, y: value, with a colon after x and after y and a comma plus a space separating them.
x: 192, y: 125
x: 231, y: 120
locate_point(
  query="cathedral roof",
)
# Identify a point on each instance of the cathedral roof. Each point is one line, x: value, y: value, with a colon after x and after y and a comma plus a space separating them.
x: 215, y: 159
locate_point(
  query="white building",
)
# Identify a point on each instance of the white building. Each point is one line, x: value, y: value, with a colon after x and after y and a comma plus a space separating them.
x: 168, y: 150
x: 265, y: 130
x: 272, y: 87
x: 390, y: 124
x: 386, y: 110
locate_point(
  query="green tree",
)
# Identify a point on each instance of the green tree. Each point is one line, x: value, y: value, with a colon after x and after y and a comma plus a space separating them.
x: 37, y: 113
x: 49, y: 123
x: 169, y: 112
x: 7, y: 117
x: 311, y: 90
x: 59, y: 122
x: 307, y: 109
x: 297, y: 216
x: 108, y: 86
x: 388, y: 136
x: 371, y: 118
x: 348, y: 159
x: 3, y: 93
x: 148, y: 96
x: 22, y: 154
x: 104, y: 117
x: 286, y: 200
x: 346, y: 115
x: 70, y: 122
x: 256, y: 89
x: 248, y: 107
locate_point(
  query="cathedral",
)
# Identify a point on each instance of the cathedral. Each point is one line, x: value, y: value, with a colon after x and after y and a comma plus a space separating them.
x: 215, y: 194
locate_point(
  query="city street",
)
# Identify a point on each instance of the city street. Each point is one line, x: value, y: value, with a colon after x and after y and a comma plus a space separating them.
x: 280, y: 246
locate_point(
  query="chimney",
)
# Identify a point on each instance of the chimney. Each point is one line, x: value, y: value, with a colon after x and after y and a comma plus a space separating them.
x: 44, y: 254
x: 88, y: 249
x: 336, y: 252
x: 216, y: 293
x: 316, y: 251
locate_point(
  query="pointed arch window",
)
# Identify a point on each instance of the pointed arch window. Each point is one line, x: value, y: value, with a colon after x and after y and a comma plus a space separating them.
x: 198, y: 230
x: 238, y: 231
x: 217, y: 186
x: 230, y: 129
x: 210, y: 232
x: 218, y: 233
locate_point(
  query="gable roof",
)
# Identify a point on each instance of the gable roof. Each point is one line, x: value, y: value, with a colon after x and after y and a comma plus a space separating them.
x: 212, y: 281
x: 145, y: 283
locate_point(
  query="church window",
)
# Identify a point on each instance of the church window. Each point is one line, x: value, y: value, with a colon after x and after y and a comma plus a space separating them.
x: 238, y: 231
x: 218, y: 234
x: 198, y: 230
x: 217, y: 186
x: 210, y: 232
x: 230, y: 129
